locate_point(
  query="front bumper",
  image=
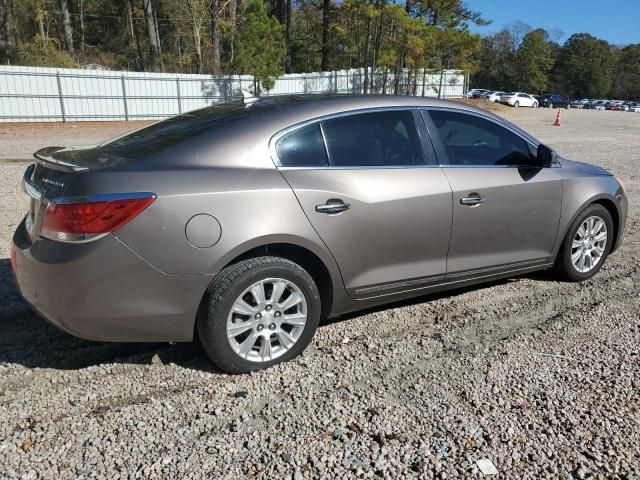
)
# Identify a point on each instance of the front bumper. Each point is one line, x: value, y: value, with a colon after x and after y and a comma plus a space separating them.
x: 104, y: 291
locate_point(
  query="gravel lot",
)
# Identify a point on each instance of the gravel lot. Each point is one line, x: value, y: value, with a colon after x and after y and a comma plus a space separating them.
x: 538, y: 376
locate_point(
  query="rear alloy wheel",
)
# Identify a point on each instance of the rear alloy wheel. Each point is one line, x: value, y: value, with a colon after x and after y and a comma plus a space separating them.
x: 550, y: 105
x: 261, y: 312
x: 587, y: 244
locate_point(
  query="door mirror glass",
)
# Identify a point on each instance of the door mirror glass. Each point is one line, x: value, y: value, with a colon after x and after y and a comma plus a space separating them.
x: 545, y: 156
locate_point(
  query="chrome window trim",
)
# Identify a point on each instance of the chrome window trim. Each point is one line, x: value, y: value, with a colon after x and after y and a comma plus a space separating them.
x: 281, y: 133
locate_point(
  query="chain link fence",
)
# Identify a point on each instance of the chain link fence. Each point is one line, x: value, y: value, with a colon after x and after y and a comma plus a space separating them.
x: 31, y: 94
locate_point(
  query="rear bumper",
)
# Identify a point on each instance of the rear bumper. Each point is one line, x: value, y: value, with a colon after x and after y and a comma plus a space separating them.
x: 103, y: 291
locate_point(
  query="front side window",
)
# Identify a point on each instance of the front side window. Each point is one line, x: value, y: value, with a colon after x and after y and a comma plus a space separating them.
x: 469, y: 140
x: 376, y: 139
x: 303, y: 147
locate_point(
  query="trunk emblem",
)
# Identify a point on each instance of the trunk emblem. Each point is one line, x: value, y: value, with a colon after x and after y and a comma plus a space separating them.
x: 53, y: 182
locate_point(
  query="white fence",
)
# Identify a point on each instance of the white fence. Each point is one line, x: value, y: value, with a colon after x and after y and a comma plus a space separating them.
x: 49, y: 94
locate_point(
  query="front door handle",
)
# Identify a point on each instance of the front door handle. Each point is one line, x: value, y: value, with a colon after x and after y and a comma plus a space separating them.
x: 333, y: 206
x: 472, y: 200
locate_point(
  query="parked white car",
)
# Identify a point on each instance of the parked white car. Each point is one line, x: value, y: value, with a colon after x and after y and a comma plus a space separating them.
x: 518, y: 99
x: 634, y: 107
x: 495, y: 96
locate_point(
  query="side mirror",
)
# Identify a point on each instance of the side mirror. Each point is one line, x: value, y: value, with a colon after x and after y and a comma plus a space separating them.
x: 545, y: 157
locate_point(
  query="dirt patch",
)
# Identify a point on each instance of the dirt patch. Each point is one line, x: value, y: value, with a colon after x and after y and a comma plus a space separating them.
x: 486, y: 105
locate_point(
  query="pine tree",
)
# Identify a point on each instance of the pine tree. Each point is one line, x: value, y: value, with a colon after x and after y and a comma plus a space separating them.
x: 261, y: 47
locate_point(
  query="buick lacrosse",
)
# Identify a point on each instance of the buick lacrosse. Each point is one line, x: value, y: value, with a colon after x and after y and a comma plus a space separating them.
x: 243, y: 224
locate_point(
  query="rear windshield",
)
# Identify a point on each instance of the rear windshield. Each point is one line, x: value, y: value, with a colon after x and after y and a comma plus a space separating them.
x: 174, y: 130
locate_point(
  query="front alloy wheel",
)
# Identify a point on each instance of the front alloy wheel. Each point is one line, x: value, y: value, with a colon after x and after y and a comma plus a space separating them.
x: 589, y: 244
x: 586, y: 245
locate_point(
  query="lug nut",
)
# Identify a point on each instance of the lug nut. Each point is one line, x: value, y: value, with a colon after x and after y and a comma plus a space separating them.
x: 268, y: 308
x: 260, y: 328
x: 272, y: 326
x: 277, y: 314
x: 258, y: 316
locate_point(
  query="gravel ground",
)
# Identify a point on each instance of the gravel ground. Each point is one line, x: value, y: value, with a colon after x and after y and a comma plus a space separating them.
x: 538, y: 376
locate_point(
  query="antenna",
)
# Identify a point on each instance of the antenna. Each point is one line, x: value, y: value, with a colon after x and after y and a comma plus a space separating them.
x: 248, y: 98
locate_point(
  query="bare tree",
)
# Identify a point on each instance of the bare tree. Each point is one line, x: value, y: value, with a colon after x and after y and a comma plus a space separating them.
x: 233, y: 16
x: 214, y: 9
x: 152, y: 29
x: 5, y: 30
x: 134, y: 38
x: 197, y: 11
x: 326, y: 11
x: 68, y: 28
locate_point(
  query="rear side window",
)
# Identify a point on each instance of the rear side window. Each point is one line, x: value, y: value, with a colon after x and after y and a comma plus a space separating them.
x: 303, y: 147
x: 472, y: 141
x: 376, y: 139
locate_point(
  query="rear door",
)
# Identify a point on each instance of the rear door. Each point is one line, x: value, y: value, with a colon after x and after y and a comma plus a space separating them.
x: 374, y: 195
x: 506, y: 210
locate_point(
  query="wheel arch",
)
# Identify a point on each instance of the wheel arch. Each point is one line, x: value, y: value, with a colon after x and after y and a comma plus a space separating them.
x: 316, y: 261
x: 607, y: 202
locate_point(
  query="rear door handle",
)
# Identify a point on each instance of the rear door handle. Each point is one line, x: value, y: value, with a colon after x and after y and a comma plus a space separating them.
x: 333, y: 206
x: 472, y: 200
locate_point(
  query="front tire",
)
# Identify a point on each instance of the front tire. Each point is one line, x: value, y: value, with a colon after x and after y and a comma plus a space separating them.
x: 516, y: 105
x: 259, y: 312
x: 586, y: 245
x: 535, y: 105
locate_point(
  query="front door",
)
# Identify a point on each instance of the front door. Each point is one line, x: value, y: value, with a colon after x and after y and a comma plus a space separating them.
x: 506, y: 210
x: 381, y: 208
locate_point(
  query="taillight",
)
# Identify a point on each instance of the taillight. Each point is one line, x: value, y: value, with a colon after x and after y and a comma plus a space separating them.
x: 86, y: 221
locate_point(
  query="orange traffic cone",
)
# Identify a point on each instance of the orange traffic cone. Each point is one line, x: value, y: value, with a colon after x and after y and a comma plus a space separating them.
x: 557, y: 122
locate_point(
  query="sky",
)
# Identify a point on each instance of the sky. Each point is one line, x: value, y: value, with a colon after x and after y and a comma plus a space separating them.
x: 616, y: 21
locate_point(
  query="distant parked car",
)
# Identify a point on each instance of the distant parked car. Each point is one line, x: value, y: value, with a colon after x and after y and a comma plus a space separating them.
x: 579, y: 103
x: 553, y: 100
x: 612, y: 106
x: 634, y: 107
x: 477, y: 92
x: 494, y: 96
x: 519, y: 99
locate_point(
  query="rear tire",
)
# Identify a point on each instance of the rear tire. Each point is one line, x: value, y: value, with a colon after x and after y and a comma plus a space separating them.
x: 535, y: 104
x: 579, y: 242
x: 516, y: 105
x: 223, y: 328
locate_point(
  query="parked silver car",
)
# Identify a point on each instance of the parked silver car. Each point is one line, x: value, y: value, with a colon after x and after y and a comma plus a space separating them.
x: 248, y: 222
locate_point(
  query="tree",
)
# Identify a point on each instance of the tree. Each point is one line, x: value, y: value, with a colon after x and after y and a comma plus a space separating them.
x: 5, y: 30
x: 42, y: 52
x: 534, y: 60
x: 152, y: 30
x: 214, y: 11
x: 68, y: 28
x: 261, y: 48
x: 627, y: 73
x: 585, y: 66
x: 197, y: 12
x: 326, y: 12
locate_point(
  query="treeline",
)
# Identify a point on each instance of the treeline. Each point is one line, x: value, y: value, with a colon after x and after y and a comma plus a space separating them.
x: 520, y: 58
x: 263, y: 38
x: 266, y: 38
